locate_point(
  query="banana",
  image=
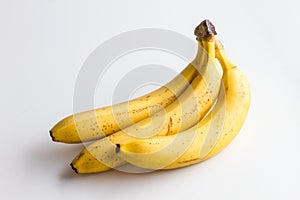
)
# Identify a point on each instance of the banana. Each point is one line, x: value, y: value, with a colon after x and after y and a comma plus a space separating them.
x: 207, y: 138
x: 189, y: 108
x: 95, y: 124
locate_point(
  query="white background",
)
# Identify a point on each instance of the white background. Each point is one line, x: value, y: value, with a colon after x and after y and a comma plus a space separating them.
x: 43, y: 45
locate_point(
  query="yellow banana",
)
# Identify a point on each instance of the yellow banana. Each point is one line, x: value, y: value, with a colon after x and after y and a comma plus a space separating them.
x: 190, y: 107
x: 95, y: 124
x: 202, y: 141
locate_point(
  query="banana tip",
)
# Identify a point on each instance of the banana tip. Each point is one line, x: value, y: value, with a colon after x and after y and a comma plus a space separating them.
x: 117, y: 148
x: 72, y: 166
x: 51, y: 135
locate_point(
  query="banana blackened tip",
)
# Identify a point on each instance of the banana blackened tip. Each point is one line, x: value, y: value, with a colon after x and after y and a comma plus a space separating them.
x: 205, y: 30
x: 117, y: 148
x: 51, y: 135
x: 72, y: 166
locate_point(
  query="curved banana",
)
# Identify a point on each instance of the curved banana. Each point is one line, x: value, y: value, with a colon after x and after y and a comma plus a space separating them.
x: 104, y: 121
x: 204, y: 140
x: 190, y: 107
x: 101, y: 122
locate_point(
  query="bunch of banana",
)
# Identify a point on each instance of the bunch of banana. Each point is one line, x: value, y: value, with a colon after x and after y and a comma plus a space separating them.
x: 186, y: 121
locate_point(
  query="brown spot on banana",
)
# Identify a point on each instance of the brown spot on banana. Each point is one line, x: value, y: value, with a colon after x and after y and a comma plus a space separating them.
x: 169, y: 126
x: 187, y: 161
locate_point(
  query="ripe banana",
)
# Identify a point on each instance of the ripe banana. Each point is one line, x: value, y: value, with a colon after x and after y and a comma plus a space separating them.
x: 190, y: 107
x: 204, y: 140
x: 95, y: 124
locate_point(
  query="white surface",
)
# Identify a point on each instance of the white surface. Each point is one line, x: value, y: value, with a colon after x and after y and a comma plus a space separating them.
x: 42, y: 47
